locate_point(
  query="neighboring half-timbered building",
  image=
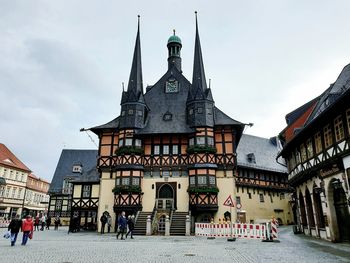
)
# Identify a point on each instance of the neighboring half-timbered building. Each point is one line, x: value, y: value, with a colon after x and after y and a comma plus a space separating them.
x: 317, y: 150
x: 74, y: 168
x: 262, y: 189
x: 171, y: 151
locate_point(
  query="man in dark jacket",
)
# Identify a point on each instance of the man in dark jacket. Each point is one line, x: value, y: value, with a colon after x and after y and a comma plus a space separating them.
x: 103, y: 220
x: 15, y: 226
x: 122, y: 222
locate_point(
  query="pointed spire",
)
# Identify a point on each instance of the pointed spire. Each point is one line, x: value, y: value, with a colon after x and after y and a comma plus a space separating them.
x: 135, y: 86
x: 198, y: 78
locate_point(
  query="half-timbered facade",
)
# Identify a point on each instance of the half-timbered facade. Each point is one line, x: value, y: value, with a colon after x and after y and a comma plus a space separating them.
x: 171, y: 149
x: 262, y: 189
x: 73, y: 168
x: 317, y: 151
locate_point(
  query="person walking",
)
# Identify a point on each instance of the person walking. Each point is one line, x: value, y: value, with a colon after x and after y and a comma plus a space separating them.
x: 103, y: 220
x: 43, y: 222
x: 122, y: 222
x: 48, y: 222
x: 36, y: 223
x: 27, y: 229
x: 57, y: 222
x: 109, y: 223
x: 14, y: 226
x: 131, y: 226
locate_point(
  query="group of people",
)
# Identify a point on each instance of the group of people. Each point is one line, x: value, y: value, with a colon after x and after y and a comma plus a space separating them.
x: 124, y: 224
x: 26, y: 225
x: 43, y: 221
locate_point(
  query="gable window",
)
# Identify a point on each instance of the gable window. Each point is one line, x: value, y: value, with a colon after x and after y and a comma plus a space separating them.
x: 200, y: 140
x: 190, y: 111
x: 318, y: 142
x: 125, y: 181
x: 202, y: 180
x: 130, y: 112
x: 123, y: 113
x: 156, y: 149
x: 209, y: 111
x: 86, y: 190
x: 210, y: 141
x: 327, y: 133
x: 128, y: 142
x: 175, y: 149
x: 166, y: 149
x: 139, y: 113
x: 200, y: 110
x: 192, y: 180
x: 136, y: 181
x: 338, y: 128
x: 212, y: 180
x: 138, y: 143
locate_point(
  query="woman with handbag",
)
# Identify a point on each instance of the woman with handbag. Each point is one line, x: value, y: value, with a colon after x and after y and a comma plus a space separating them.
x: 27, y: 229
x: 14, y: 226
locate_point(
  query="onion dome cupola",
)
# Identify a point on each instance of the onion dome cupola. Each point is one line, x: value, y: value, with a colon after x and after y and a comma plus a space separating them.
x: 200, y: 103
x: 133, y: 106
x: 174, y: 52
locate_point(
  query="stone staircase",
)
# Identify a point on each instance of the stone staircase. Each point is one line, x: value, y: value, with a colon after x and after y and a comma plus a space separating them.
x: 178, y: 224
x: 140, y: 225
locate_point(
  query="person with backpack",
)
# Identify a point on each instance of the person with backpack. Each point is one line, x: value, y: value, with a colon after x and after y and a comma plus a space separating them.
x: 14, y: 226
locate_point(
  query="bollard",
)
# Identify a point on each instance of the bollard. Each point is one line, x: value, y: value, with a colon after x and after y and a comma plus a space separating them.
x: 167, y: 226
x: 188, y: 226
x: 148, y: 226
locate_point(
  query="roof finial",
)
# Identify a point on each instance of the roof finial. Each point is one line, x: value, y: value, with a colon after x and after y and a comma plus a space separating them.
x: 138, y: 22
x: 196, y: 19
x: 174, y: 31
x: 123, y: 86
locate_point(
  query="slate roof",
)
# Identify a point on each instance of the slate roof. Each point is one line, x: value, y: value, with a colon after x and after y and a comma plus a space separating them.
x: 9, y: 159
x: 333, y: 93
x: 64, y: 169
x: 337, y: 92
x: 265, y: 152
x: 160, y: 103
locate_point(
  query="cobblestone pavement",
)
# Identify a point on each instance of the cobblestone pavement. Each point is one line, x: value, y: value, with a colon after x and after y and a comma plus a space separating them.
x: 58, y: 247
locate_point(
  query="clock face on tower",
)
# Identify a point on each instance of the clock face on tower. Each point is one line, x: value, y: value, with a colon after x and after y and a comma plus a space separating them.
x: 171, y: 86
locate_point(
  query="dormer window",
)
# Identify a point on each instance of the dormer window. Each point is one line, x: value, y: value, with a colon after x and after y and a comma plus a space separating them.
x: 200, y: 110
x: 251, y: 157
x: 77, y: 168
x: 130, y: 112
x: 167, y: 117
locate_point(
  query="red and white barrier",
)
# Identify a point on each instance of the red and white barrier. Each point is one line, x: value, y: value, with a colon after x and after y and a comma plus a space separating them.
x: 4, y: 223
x: 251, y: 231
x: 274, y: 225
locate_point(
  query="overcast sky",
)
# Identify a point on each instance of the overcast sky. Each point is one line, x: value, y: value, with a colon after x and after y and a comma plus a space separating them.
x: 62, y: 62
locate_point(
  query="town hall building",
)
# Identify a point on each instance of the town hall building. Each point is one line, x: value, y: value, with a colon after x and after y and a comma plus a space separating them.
x: 170, y: 152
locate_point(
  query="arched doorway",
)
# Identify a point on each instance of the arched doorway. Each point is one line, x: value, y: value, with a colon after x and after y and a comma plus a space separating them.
x: 318, y: 209
x: 310, y: 212
x: 342, y: 213
x: 302, y: 210
x: 165, y: 197
x: 166, y: 191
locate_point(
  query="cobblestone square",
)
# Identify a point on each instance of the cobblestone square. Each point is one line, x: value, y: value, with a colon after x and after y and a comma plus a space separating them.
x: 58, y: 247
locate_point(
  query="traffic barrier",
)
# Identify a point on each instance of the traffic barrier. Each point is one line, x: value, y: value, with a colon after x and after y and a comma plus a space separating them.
x: 274, y: 225
x: 4, y: 223
x: 250, y: 231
